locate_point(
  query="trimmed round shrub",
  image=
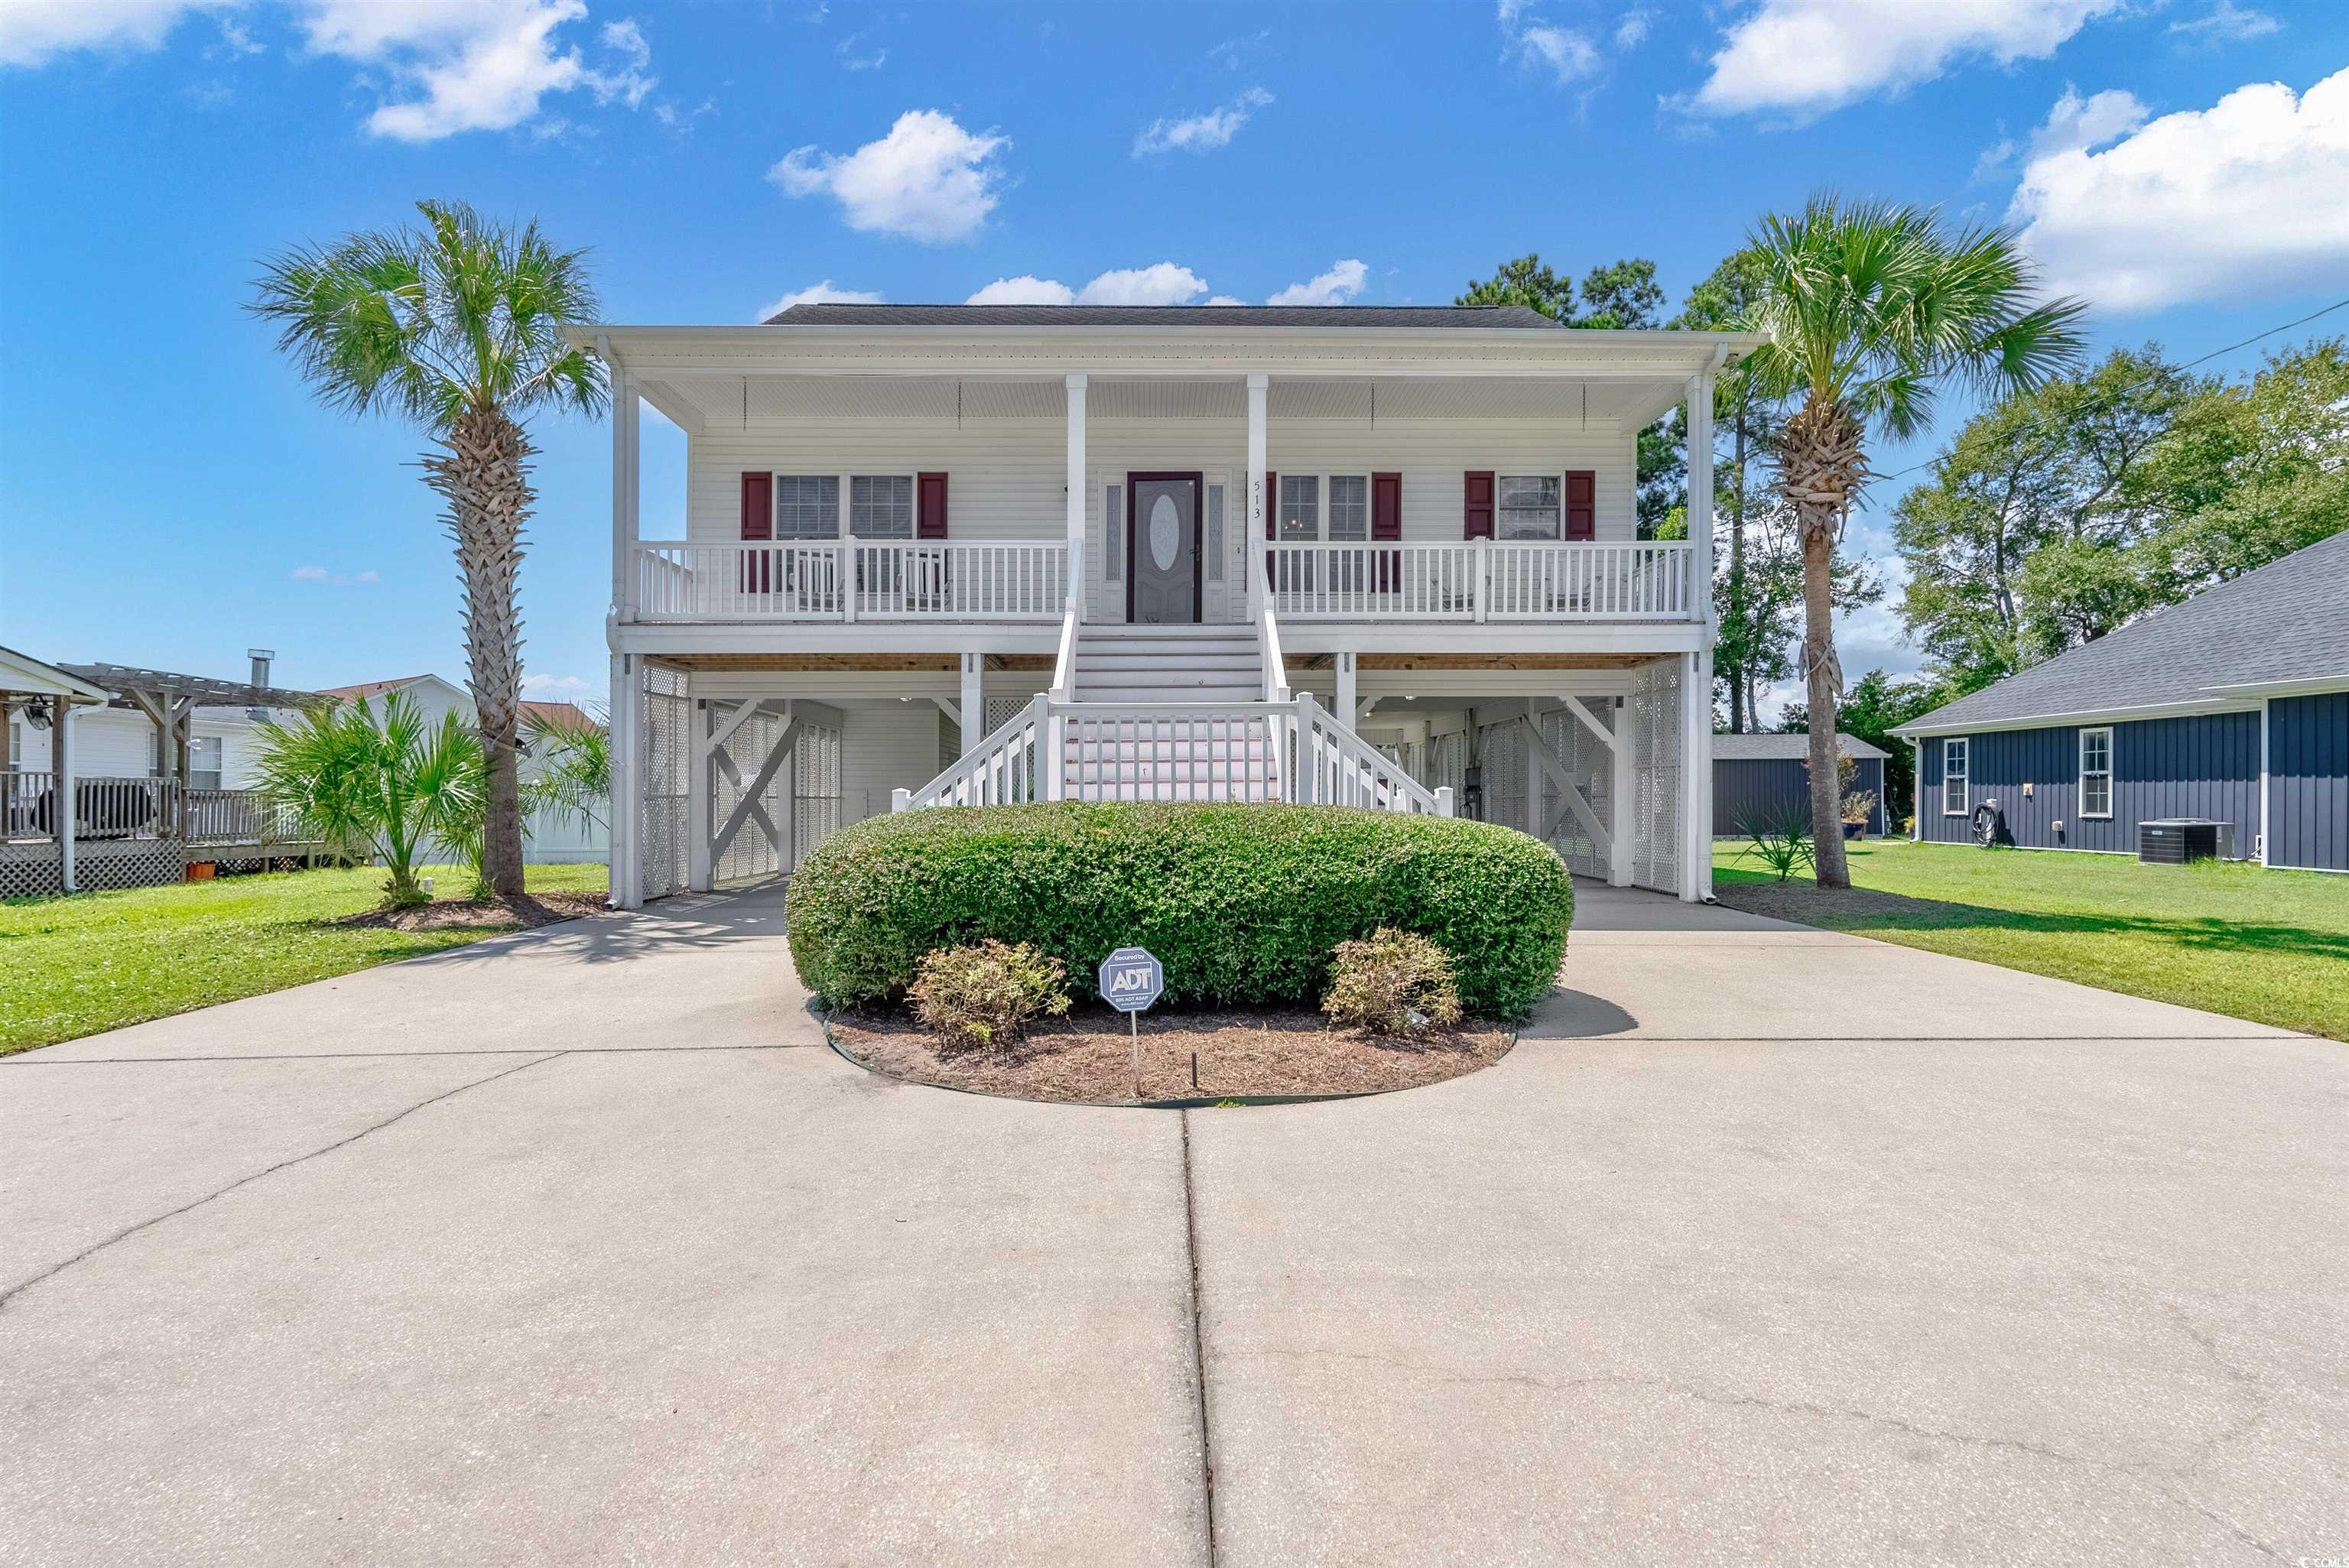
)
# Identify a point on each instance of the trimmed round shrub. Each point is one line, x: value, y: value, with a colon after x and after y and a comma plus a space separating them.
x: 985, y: 995
x: 1245, y: 904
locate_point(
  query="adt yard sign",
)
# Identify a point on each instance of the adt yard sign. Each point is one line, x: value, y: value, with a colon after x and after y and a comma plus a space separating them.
x: 1131, y: 979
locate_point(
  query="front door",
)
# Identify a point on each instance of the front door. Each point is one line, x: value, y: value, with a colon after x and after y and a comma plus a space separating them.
x: 1163, y: 546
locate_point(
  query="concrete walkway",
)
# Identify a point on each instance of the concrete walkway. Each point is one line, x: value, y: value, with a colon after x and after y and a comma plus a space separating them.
x: 1765, y: 1244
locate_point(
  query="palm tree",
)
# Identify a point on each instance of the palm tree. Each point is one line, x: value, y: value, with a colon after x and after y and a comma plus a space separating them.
x: 575, y: 778
x: 1869, y: 308
x: 387, y: 786
x: 458, y: 326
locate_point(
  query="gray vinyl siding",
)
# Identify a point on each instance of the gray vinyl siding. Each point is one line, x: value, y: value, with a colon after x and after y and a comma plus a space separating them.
x: 2206, y: 765
x: 2308, y: 781
x: 1752, y: 790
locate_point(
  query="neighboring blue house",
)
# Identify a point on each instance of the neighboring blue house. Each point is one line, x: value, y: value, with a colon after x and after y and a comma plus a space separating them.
x: 1762, y: 779
x: 2232, y: 707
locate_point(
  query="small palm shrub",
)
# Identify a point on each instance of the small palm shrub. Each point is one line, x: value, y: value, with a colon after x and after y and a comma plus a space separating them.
x: 983, y: 997
x: 388, y: 785
x: 1782, y: 843
x: 1394, y: 983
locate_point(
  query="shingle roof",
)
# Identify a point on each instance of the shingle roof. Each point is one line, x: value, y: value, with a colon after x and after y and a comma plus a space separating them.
x: 369, y: 688
x: 1259, y: 315
x: 1793, y: 747
x: 561, y: 714
x: 2287, y: 621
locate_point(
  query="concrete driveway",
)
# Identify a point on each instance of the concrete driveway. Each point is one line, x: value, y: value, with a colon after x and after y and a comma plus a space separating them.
x: 1765, y: 1244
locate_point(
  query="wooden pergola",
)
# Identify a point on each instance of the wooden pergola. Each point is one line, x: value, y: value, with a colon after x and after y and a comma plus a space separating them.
x: 169, y: 701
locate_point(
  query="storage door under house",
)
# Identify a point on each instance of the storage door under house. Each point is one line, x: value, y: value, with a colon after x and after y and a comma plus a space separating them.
x: 814, y: 775
x: 750, y: 854
x: 1586, y: 760
x: 1652, y: 714
x: 668, y: 731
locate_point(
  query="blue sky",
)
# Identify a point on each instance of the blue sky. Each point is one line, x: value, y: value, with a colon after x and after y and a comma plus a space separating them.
x: 171, y: 494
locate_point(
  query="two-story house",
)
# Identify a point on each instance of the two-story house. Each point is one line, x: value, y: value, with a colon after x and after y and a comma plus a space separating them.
x: 947, y: 554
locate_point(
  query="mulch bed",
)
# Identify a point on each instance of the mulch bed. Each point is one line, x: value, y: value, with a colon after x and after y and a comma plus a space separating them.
x: 521, y: 914
x: 1089, y: 1056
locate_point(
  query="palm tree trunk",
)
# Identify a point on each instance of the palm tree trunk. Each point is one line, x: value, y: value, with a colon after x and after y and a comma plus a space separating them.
x: 482, y: 476
x: 1819, y: 462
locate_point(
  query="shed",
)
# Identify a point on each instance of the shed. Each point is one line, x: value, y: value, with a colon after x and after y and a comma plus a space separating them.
x: 1761, y: 778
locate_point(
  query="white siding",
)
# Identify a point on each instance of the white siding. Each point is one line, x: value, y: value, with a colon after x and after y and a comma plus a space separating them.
x: 1005, y: 475
x: 884, y: 745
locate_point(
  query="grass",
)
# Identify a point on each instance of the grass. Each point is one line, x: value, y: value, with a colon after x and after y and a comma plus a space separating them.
x: 2268, y: 946
x: 73, y: 966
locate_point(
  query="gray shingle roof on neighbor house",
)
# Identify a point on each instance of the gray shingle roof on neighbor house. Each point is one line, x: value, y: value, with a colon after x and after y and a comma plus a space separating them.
x: 1781, y: 748
x: 2286, y: 622
x: 1372, y: 317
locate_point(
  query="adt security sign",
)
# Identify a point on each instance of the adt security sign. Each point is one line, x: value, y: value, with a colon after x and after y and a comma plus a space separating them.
x: 1131, y: 979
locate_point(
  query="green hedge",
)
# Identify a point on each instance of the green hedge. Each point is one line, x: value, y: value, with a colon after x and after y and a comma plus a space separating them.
x: 1242, y: 904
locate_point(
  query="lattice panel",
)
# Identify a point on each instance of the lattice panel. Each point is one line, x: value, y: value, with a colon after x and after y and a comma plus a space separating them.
x: 1588, y: 762
x: 1653, y: 715
x: 30, y: 871
x: 666, y: 731
x: 815, y: 789
x: 752, y: 854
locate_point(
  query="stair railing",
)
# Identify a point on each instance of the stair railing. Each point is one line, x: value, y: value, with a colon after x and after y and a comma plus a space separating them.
x: 1335, y: 766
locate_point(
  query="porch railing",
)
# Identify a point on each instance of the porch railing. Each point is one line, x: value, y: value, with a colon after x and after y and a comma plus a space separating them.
x: 852, y: 580
x: 1292, y: 749
x: 112, y: 807
x: 1483, y: 580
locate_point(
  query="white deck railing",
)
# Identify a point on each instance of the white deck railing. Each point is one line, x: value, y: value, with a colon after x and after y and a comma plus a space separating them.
x: 852, y: 580
x: 1483, y: 580
x: 1294, y: 750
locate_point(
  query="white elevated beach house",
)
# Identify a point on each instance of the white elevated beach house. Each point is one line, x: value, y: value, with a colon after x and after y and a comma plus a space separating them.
x: 940, y: 555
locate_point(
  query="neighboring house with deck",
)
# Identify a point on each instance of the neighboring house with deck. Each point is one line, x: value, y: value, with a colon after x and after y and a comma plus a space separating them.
x: 948, y: 554
x: 2232, y: 708
x: 1761, y: 780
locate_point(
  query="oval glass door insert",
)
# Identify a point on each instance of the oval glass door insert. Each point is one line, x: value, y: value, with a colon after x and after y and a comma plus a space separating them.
x: 1166, y: 533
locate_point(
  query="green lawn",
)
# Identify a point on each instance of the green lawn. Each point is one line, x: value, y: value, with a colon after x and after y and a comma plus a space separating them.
x: 72, y: 967
x: 2271, y: 947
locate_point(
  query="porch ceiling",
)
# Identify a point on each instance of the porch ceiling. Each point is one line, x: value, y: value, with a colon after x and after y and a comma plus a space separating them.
x: 737, y: 402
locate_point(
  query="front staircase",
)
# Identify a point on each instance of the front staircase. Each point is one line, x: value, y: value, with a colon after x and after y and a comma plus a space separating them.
x: 1175, y: 713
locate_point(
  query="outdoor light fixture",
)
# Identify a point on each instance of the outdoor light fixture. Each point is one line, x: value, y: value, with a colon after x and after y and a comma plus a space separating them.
x: 37, y: 713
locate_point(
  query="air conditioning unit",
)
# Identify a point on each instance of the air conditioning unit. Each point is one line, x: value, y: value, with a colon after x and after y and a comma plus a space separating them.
x: 2174, y: 840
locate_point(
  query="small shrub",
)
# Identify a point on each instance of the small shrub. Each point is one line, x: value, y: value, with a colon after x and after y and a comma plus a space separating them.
x: 1394, y: 983
x: 1782, y: 843
x: 1242, y: 904
x: 985, y: 995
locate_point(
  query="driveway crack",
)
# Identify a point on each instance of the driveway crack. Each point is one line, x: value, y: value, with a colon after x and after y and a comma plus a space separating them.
x: 14, y: 1291
x: 1198, y: 1340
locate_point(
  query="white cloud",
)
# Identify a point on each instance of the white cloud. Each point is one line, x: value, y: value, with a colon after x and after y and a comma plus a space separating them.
x: 1234, y: 53
x: 473, y: 65
x: 1567, y: 55
x: 1201, y: 132
x: 2076, y: 122
x: 1224, y: 299
x: 1164, y: 284
x: 1025, y: 289
x: 333, y: 578
x: 2240, y: 199
x: 1341, y: 283
x: 1811, y: 56
x: 32, y: 32
x: 563, y: 685
x: 927, y: 179
x: 2228, y: 24
x: 1631, y: 29
x: 825, y: 293
x: 308, y: 573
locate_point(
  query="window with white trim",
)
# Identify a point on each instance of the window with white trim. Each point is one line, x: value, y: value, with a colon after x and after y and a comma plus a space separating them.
x: 1300, y: 506
x: 1350, y: 507
x: 204, y: 762
x: 1531, y: 506
x: 1953, y: 778
x: 2096, y: 772
x: 807, y: 506
x: 881, y: 506
x: 1113, y: 532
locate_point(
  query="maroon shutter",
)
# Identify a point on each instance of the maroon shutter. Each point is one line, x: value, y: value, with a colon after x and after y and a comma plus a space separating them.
x: 1386, y: 522
x: 757, y: 524
x: 1582, y: 504
x: 1476, y: 508
x: 1271, y: 516
x: 931, y: 507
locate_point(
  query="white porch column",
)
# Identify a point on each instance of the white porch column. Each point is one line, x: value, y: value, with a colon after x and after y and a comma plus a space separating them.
x: 625, y: 435
x: 63, y: 813
x: 700, y: 866
x: 973, y: 718
x: 1696, y: 776
x: 1347, y: 710
x: 1076, y: 492
x: 1533, y: 823
x: 1700, y: 491
x: 1625, y: 782
x: 1260, y: 505
x: 627, y: 807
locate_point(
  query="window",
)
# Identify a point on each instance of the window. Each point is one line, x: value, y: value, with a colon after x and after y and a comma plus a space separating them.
x: 881, y: 506
x: 1300, y: 506
x: 807, y: 506
x: 1531, y: 506
x: 1215, y: 532
x: 1350, y: 507
x: 204, y: 762
x: 1114, y: 526
x: 2096, y: 772
x: 1954, y: 778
